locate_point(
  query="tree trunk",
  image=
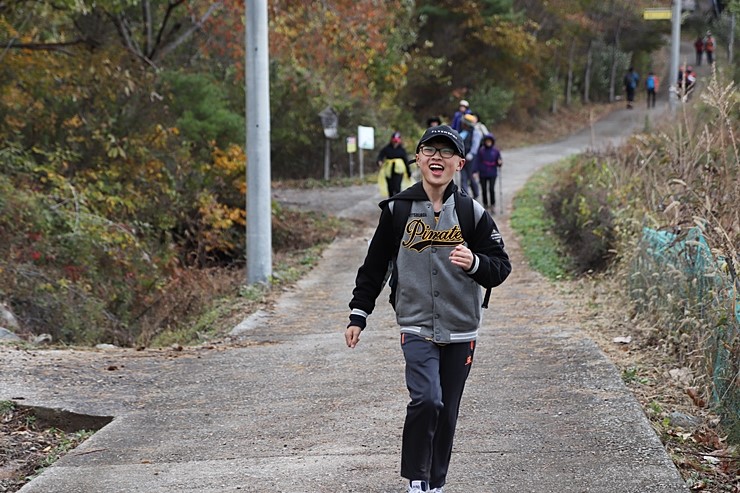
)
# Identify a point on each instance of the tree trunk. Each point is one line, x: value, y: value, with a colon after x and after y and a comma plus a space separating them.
x: 587, y: 73
x: 613, y: 72
x: 569, y: 83
x: 554, y: 78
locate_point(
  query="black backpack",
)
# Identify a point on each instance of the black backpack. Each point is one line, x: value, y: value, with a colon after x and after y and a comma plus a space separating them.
x: 402, y: 208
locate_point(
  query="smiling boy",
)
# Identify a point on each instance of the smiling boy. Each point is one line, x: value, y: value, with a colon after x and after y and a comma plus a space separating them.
x: 436, y: 292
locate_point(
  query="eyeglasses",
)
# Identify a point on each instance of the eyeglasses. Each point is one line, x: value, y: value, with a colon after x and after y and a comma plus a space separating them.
x: 444, y: 152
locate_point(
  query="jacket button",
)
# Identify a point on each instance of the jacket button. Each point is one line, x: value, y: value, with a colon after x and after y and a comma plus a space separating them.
x: 436, y: 293
x: 434, y: 272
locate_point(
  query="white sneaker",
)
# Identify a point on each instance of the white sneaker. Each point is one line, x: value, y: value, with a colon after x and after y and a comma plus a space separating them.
x: 418, y: 487
x: 437, y: 490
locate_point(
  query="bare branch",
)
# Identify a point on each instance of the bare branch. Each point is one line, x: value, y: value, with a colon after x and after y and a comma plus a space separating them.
x: 125, y: 33
x: 147, y: 16
x: 170, y: 8
x: 197, y: 25
x: 58, y: 47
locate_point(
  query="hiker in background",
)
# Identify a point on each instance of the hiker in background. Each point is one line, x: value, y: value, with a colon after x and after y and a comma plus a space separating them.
x: 439, y: 266
x: 709, y: 47
x: 651, y: 86
x: 690, y: 75
x: 699, y: 48
x: 489, y: 161
x: 394, y: 166
x: 433, y: 121
x: 686, y: 82
x: 472, y: 136
x: 462, y: 110
x: 631, y: 78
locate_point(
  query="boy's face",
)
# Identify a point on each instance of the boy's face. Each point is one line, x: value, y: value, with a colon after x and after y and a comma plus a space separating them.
x: 438, y: 170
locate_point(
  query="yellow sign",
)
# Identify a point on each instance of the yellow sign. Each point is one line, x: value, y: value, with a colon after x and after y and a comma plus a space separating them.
x: 657, y: 14
x: 351, y: 145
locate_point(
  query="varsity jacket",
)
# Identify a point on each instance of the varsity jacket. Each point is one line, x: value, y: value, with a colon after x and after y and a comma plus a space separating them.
x: 433, y: 298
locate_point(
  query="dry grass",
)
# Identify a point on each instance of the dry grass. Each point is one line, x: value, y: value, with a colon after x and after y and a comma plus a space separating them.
x: 680, y: 316
x: 675, y: 301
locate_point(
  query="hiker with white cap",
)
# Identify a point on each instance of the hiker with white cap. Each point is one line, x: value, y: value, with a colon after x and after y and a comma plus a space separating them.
x: 463, y: 109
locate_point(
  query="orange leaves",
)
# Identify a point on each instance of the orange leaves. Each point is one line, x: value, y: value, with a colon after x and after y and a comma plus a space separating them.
x: 233, y: 163
x: 515, y: 39
x: 231, y: 160
x: 75, y: 121
x: 336, y: 45
x: 215, y: 219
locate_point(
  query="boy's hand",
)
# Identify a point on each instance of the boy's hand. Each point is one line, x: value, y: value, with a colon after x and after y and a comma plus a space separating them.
x: 462, y: 256
x: 352, y: 335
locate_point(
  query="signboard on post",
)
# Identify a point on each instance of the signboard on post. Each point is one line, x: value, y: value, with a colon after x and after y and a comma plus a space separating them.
x: 330, y: 122
x: 366, y: 137
x: 351, y: 149
x: 352, y: 144
x: 366, y: 140
x: 657, y: 14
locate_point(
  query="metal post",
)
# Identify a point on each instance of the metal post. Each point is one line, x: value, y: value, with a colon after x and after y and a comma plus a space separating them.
x: 730, y: 50
x: 675, y: 53
x: 362, y: 165
x: 327, y: 159
x: 259, y: 209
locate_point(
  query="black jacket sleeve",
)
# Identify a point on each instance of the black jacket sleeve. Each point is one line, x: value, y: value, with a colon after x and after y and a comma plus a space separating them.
x: 488, y: 245
x: 371, y: 275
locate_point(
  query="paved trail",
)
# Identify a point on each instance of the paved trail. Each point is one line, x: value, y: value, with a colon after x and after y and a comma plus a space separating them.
x: 290, y: 408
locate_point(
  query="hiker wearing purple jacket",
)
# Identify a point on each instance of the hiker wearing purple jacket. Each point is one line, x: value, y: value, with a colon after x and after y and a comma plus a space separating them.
x: 489, y: 161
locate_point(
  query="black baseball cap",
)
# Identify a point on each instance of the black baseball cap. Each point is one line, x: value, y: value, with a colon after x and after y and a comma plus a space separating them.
x: 444, y: 132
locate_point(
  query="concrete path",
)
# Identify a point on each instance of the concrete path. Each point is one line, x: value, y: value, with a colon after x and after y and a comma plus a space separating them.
x: 289, y: 408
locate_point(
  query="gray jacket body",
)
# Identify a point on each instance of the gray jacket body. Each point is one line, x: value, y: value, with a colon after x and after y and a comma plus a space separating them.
x: 433, y: 298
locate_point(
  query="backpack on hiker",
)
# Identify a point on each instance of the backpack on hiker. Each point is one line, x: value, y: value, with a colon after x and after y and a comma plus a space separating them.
x: 401, y: 209
x: 482, y: 127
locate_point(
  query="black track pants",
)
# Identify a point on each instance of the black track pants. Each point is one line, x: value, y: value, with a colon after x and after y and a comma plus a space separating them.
x: 435, y: 378
x: 488, y: 189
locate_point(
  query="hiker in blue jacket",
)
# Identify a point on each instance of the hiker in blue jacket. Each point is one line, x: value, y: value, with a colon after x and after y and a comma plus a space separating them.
x: 651, y: 86
x: 462, y: 110
x: 631, y: 78
x: 439, y: 266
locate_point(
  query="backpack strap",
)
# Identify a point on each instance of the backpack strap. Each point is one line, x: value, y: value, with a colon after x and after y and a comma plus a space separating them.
x: 465, y: 210
x: 400, y: 210
x: 466, y: 214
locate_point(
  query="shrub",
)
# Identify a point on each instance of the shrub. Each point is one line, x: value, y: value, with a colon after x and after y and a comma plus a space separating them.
x: 580, y: 206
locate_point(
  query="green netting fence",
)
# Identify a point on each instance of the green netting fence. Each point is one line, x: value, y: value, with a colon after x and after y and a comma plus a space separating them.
x: 677, y: 275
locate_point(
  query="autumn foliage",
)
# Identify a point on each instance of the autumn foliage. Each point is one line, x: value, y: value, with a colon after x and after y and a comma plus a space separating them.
x: 122, y: 168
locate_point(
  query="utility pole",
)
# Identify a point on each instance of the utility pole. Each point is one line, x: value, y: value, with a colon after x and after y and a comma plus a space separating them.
x: 259, y: 208
x: 732, y: 39
x: 675, y: 54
